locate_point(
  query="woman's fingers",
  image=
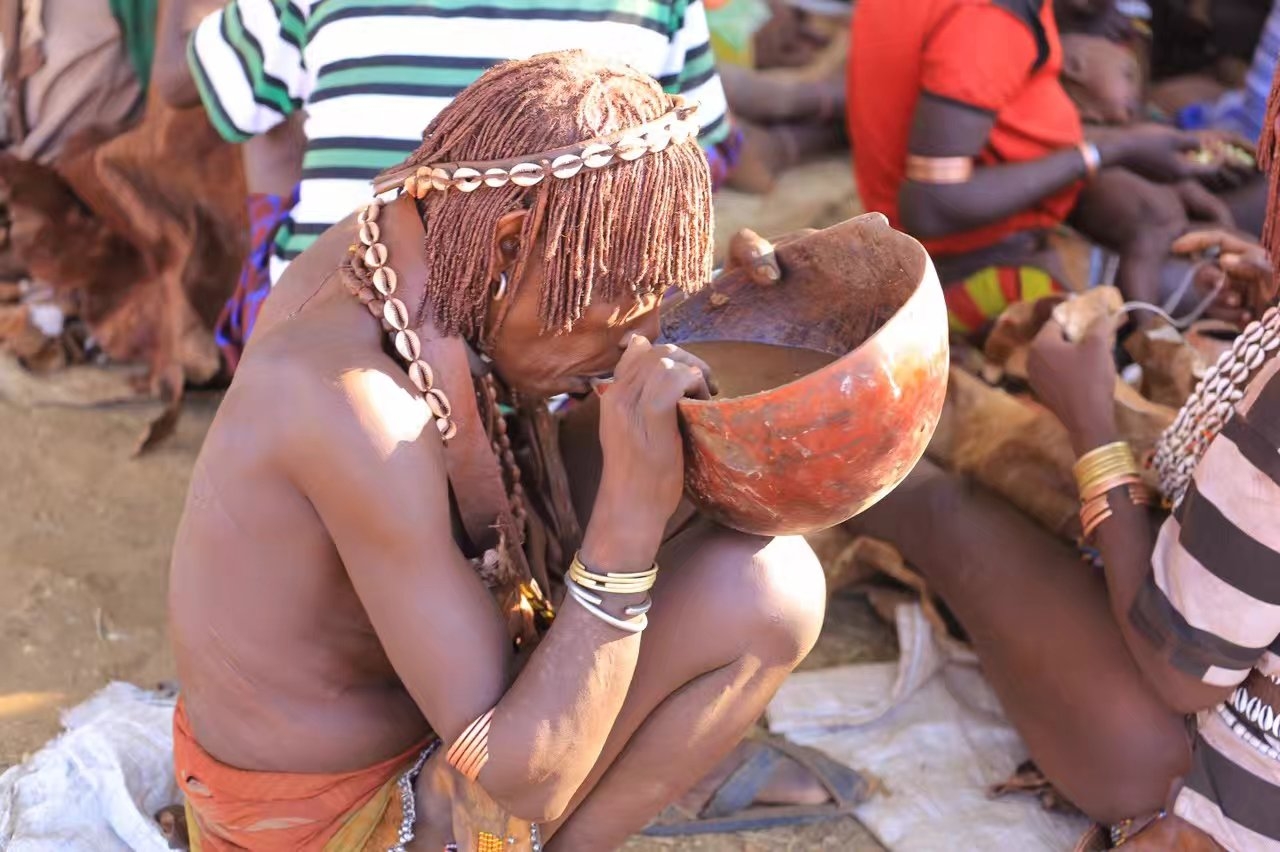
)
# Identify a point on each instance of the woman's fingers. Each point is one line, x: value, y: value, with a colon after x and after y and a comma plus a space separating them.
x: 754, y: 254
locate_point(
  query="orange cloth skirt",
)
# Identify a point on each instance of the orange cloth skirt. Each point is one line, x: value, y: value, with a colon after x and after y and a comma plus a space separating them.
x: 230, y: 809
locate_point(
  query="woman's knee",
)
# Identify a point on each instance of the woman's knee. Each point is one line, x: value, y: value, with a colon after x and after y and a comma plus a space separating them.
x: 1159, y: 218
x: 941, y: 502
x: 1122, y: 210
x: 1135, y: 759
x: 792, y: 594
x: 773, y: 594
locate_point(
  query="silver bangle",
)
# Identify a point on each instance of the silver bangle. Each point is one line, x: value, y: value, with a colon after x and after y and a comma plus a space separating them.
x: 583, y: 597
x: 1092, y: 159
x: 640, y: 608
x: 636, y: 609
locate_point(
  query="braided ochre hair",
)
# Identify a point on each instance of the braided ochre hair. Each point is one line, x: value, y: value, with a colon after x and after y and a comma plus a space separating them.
x: 632, y: 227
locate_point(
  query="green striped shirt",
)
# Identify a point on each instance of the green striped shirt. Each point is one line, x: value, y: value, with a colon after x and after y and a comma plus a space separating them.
x: 361, y: 70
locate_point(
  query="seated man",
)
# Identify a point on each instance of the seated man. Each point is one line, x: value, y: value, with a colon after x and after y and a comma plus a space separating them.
x: 966, y: 138
x: 784, y: 122
x: 360, y: 489
x: 272, y: 168
x: 1232, y: 93
x: 783, y: 78
x: 1197, y: 101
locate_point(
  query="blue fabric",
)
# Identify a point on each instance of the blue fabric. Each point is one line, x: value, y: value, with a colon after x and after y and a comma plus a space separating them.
x: 266, y: 214
x: 1243, y: 111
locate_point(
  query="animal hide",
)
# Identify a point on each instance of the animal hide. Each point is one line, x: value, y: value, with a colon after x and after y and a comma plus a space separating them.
x: 1170, y: 365
x: 1077, y: 314
x: 1006, y: 345
x: 1019, y: 449
x: 1013, y: 446
x: 146, y: 231
x: 20, y: 336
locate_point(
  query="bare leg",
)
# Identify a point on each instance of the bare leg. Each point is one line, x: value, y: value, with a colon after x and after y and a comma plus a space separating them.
x: 1041, y: 624
x: 1248, y: 205
x: 732, y: 616
x: 769, y: 151
x: 784, y: 121
x: 1176, y: 93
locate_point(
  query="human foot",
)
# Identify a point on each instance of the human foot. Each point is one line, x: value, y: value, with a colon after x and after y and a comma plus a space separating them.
x: 764, y: 783
x: 785, y: 782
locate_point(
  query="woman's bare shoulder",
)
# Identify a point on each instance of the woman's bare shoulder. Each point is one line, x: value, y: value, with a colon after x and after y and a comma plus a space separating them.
x: 361, y: 397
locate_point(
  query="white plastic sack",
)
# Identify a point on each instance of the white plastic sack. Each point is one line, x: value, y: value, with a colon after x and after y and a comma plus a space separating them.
x: 97, y: 786
x: 931, y: 730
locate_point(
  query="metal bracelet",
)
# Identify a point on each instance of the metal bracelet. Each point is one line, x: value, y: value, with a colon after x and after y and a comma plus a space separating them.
x: 583, y: 597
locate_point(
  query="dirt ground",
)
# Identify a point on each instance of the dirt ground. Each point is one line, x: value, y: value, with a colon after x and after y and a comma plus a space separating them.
x: 85, y: 533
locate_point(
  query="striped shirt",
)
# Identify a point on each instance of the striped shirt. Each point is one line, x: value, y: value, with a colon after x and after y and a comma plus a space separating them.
x: 1212, y: 604
x: 371, y: 74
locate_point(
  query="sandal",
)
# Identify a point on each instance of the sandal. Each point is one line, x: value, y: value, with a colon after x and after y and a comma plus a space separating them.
x: 730, y: 808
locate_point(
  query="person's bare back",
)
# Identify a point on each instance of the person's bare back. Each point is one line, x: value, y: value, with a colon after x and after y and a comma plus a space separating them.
x: 335, y: 625
x: 266, y: 624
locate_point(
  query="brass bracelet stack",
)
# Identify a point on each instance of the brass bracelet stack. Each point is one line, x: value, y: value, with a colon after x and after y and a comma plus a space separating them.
x: 588, y: 587
x: 1100, y: 471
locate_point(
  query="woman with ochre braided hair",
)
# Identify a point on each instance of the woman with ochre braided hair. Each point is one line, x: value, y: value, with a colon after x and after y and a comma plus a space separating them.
x: 382, y: 509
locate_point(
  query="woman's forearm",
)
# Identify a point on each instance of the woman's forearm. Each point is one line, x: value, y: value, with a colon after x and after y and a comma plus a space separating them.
x: 550, y: 727
x: 1127, y: 542
x: 170, y: 73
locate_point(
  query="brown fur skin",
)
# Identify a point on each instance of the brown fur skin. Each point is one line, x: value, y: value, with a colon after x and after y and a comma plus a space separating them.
x: 1014, y: 446
x: 145, y: 232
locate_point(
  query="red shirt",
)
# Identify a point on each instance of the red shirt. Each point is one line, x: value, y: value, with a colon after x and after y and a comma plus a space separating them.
x: 1002, y: 57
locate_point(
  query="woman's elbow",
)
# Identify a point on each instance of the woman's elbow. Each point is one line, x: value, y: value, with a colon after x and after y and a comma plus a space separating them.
x: 921, y: 214
x: 529, y: 800
x: 534, y: 805
x: 1180, y: 692
x: 1189, y: 702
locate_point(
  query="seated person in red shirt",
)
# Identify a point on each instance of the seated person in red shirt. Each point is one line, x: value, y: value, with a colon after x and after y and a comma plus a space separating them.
x: 966, y: 138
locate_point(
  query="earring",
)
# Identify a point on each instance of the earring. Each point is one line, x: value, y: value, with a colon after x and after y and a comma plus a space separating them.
x: 500, y: 290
